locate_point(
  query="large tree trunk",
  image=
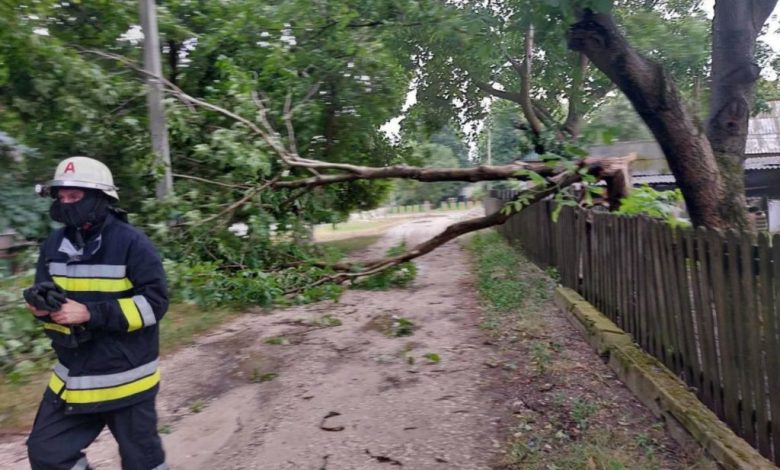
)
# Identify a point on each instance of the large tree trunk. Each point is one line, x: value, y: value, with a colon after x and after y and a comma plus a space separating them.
x: 658, y: 102
x: 736, y: 27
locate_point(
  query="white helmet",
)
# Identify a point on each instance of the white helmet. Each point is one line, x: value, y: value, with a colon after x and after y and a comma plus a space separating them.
x: 84, y: 172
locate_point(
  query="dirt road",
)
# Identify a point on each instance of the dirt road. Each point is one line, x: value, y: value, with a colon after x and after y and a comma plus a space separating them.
x: 339, y: 397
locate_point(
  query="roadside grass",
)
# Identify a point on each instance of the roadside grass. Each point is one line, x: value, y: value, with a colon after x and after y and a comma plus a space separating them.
x: 20, y: 403
x: 599, y: 450
x: 346, y: 246
x: 565, y: 418
x: 354, y: 229
x: 514, y: 292
x: 185, y: 322
x: 374, y: 227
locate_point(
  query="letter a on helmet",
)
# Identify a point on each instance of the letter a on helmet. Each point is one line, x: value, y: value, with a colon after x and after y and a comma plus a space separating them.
x: 84, y: 172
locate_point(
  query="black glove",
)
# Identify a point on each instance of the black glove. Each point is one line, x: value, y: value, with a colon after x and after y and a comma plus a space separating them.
x: 45, y: 296
x: 32, y: 296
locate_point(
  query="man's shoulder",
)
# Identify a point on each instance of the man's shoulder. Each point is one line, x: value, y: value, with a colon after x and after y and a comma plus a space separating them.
x: 55, y: 237
x: 129, y: 232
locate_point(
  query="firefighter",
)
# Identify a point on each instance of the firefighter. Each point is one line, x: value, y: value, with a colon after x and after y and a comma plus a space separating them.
x: 99, y: 295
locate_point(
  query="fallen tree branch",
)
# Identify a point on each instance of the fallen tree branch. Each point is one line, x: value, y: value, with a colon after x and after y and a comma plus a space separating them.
x: 612, y: 170
x: 230, y: 209
x: 554, y: 184
x: 217, y: 183
x: 473, y: 174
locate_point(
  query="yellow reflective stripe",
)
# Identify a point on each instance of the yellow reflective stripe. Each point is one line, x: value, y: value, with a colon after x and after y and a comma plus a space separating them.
x: 56, y: 384
x: 133, y: 316
x: 57, y: 327
x: 111, y: 393
x: 88, y: 284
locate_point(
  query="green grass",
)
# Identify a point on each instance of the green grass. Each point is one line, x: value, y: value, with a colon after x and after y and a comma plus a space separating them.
x: 514, y: 292
x: 598, y: 451
x: 326, y: 231
x: 347, y: 246
x: 277, y: 341
x: 184, y: 322
x: 573, y: 430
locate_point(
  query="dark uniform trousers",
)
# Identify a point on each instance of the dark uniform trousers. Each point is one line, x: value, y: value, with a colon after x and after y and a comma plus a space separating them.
x: 58, y: 439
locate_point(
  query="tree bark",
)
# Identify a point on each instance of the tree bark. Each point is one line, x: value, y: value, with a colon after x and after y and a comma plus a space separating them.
x: 427, y: 175
x: 525, y: 84
x: 503, y: 94
x: 736, y: 27
x: 573, y: 120
x: 173, y: 60
x: 658, y: 102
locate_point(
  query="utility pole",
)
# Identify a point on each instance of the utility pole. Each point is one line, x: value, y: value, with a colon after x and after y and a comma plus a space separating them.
x: 154, y: 96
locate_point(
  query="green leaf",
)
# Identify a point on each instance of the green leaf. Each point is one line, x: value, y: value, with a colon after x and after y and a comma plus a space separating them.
x: 602, y: 6
x: 433, y: 357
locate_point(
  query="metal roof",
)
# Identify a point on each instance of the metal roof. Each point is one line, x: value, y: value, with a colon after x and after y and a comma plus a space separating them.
x: 653, y: 179
x: 751, y: 164
x: 764, y: 132
x: 762, y: 147
x: 762, y: 163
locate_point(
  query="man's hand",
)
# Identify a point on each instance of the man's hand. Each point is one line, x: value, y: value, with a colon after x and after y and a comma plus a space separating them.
x: 71, y: 313
x: 37, y: 312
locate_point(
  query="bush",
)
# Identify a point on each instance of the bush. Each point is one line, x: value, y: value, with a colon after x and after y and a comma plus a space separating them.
x: 208, y: 285
x: 24, y: 346
x: 657, y: 204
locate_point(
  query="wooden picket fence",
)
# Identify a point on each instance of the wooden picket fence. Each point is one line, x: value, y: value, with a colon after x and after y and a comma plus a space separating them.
x: 701, y: 301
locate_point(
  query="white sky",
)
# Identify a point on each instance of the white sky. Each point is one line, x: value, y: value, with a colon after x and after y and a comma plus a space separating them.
x: 772, y: 37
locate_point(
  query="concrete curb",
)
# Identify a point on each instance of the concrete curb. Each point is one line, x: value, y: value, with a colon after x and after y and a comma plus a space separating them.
x: 659, y: 389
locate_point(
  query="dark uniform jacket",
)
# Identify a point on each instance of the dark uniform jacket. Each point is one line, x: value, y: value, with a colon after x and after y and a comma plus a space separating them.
x: 111, y: 361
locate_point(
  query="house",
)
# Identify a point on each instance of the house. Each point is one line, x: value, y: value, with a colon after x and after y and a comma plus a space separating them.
x: 762, y: 165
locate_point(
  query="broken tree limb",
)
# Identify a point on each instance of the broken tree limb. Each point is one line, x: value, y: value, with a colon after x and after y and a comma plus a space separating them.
x: 613, y: 170
x: 473, y: 174
x: 537, y: 193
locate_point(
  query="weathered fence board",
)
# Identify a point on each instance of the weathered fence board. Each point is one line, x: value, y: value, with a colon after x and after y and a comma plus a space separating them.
x: 700, y: 301
x: 763, y: 287
x: 705, y: 323
x: 772, y: 355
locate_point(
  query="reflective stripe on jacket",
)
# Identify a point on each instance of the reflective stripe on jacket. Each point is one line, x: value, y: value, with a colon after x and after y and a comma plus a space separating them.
x: 111, y: 361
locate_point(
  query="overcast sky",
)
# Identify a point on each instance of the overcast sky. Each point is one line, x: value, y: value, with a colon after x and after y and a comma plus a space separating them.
x: 772, y: 37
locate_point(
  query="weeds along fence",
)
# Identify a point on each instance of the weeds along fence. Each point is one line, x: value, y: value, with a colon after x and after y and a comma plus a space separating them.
x: 701, y: 301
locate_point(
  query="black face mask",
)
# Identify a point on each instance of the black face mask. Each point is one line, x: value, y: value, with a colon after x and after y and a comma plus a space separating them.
x: 91, y: 210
